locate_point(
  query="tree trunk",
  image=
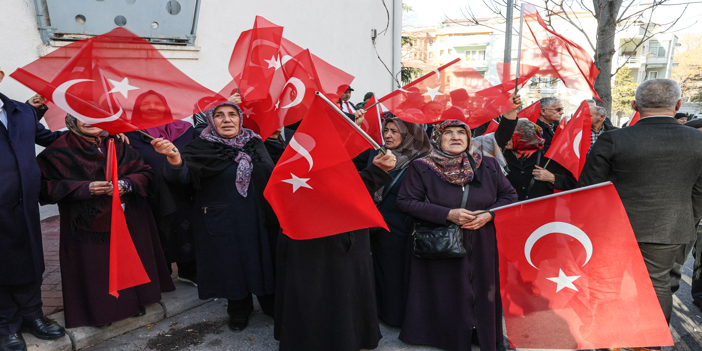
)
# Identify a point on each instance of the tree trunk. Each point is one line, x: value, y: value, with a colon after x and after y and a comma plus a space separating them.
x: 606, y: 12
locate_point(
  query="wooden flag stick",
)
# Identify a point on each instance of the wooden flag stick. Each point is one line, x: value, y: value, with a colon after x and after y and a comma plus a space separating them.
x: 152, y: 138
x: 519, y: 47
x: 351, y: 123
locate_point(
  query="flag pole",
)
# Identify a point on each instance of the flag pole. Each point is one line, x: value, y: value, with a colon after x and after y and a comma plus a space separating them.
x: 519, y: 47
x: 351, y: 123
x: 150, y: 137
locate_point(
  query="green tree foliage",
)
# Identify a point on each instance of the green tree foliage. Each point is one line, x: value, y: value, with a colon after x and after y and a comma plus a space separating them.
x: 623, y: 92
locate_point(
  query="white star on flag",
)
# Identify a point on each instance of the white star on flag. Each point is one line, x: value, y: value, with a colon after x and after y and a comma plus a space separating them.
x: 433, y: 92
x: 297, y: 183
x: 122, y: 87
x: 274, y: 62
x: 564, y: 281
x: 248, y: 111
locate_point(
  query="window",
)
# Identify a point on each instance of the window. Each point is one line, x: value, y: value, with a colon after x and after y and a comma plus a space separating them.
x: 450, y: 50
x: 653, y: 75
x: 431, y: 41
x: 441, y: 52
x: 661, y: 52
x: 475, y: 55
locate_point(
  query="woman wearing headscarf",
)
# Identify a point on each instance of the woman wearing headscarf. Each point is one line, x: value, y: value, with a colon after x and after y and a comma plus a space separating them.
x: 407, y: 141
x: 170, y: 205
x: 530, y: 173
x: 228, y: 168
x: 448, y: 298
x: 73, y: 175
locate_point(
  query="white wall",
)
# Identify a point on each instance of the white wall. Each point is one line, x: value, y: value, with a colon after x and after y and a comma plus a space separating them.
x: 338, y: 32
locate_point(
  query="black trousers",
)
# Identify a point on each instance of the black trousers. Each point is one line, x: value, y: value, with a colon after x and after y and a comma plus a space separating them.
x: 19, y: 303
x: 660, y: 260
x: 241, y: 309
x: 676, y: 274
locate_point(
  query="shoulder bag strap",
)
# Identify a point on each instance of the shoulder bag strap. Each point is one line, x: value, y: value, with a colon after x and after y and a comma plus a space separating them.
x: 466, y: 190
x: 388, y: 187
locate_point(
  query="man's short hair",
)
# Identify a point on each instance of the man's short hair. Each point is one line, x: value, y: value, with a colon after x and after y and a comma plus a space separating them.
x: 547, y: 102
x: 658, y: 94
x: 599, y: 110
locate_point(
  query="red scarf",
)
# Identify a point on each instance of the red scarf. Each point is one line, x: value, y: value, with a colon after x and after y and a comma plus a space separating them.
x: 526, y: 148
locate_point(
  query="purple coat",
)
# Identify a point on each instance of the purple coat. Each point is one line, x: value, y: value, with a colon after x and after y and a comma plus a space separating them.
x: 447, y: 298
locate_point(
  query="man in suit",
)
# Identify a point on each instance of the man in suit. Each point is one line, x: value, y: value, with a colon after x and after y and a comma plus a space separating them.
x: 656, y: 166
x: 21, y: 253
x: 346, y: 106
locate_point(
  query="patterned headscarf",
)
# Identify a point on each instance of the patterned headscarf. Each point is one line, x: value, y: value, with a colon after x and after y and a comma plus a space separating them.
x: 72, y: 125
x: 415, y: 142
x: 243, y: 173
x: 455, y: 169
x: 527, y: 139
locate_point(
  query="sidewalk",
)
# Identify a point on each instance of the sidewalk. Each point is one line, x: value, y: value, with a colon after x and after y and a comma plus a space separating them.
x: 172, y: 303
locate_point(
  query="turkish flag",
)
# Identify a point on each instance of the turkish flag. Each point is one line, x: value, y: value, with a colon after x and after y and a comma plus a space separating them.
x: 573, y: 143
x: 556, y: 55
x: 500, y: 94
x: 255, y: 59
x: 492, y: 127
x: 126, y: 269
x: 532, y: 112
x: 116, y: 81
x: 571, y: 280
x: 298, y: 73
x: 454, y: 84
x: 634, y: 119
x: 372, y: 123
x: 315, y: 175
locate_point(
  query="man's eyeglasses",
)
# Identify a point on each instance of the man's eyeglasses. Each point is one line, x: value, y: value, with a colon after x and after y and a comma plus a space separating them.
x: 560, y: 109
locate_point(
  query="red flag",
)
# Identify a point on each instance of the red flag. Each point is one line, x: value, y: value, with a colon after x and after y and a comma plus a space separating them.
x: 299, y: 74
x: 561, y: 126
x: 315, y: 175
x: 556, y: 55
x: 567, y: 282
x: 635, y: 119
x: 500, y: 94
x: 126, y: 269
x: 571, y: 147
x: 372, y: 124
x: 451, y: 86
x: 255, y: 59
x: 492, y: 127
x: 116, y: 81
x: 532, y: 112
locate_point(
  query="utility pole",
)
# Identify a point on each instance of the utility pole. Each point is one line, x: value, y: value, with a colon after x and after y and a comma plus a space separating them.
x: 508, y: 32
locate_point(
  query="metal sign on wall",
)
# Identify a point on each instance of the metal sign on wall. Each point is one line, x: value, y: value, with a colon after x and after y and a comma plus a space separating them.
x: 161, y: 21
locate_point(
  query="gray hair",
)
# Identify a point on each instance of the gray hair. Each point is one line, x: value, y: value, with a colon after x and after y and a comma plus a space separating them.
x: 547, y: 102
x: 655, y: 94
x: 591, y: 101
x: 599, y: 110
x: 526, y: 129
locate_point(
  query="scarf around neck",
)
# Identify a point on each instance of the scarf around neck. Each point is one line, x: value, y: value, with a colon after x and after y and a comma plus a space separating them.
x: 454, y: 169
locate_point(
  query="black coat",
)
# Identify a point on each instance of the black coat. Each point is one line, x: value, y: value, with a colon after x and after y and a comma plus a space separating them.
x: 520, y: 175
x: 656, y: 166
x: 21, y: 253
x: 548, y: 132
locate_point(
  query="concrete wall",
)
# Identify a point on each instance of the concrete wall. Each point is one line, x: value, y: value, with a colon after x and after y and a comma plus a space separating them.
x: 338, y: 32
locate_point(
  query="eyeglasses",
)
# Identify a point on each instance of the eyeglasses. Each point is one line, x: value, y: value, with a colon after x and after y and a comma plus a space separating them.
x: 560, y: 109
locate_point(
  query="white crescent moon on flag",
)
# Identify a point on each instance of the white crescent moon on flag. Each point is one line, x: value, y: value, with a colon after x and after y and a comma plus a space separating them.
x: 576, y: 143
x: 259, y: 42
x: 562, y: 228
x: 438, y: 75
x: 308, y: 141
x: 300, y: 86
x: 59, y: 98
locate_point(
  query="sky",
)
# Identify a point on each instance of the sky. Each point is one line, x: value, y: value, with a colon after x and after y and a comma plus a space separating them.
x: 431, y: 12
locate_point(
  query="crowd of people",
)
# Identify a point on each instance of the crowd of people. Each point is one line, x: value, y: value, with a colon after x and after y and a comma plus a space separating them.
x: 193, y: 196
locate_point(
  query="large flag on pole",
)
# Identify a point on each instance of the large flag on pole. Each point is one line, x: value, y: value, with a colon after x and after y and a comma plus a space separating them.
x: 315, y: 175
x: 555, y: 54
x: 454, y: 85
x: 532, y: 112
x: 116, y: 81
x: 372, y: 124
x: 573, y: 143
x: 571, y: 280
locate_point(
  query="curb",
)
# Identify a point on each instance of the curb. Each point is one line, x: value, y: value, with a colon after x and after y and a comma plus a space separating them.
x: 172, y: 303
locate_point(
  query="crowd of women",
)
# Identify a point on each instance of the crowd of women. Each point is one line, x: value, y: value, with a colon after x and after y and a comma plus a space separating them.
x: 194, y: 197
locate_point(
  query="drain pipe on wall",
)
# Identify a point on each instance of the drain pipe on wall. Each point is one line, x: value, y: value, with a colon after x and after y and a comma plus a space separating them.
x: 193, y: 30
x: 396, y: 41
x: 44, y: 30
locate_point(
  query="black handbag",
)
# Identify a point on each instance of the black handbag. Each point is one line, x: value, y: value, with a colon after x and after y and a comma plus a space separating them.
x: 433, y: 241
